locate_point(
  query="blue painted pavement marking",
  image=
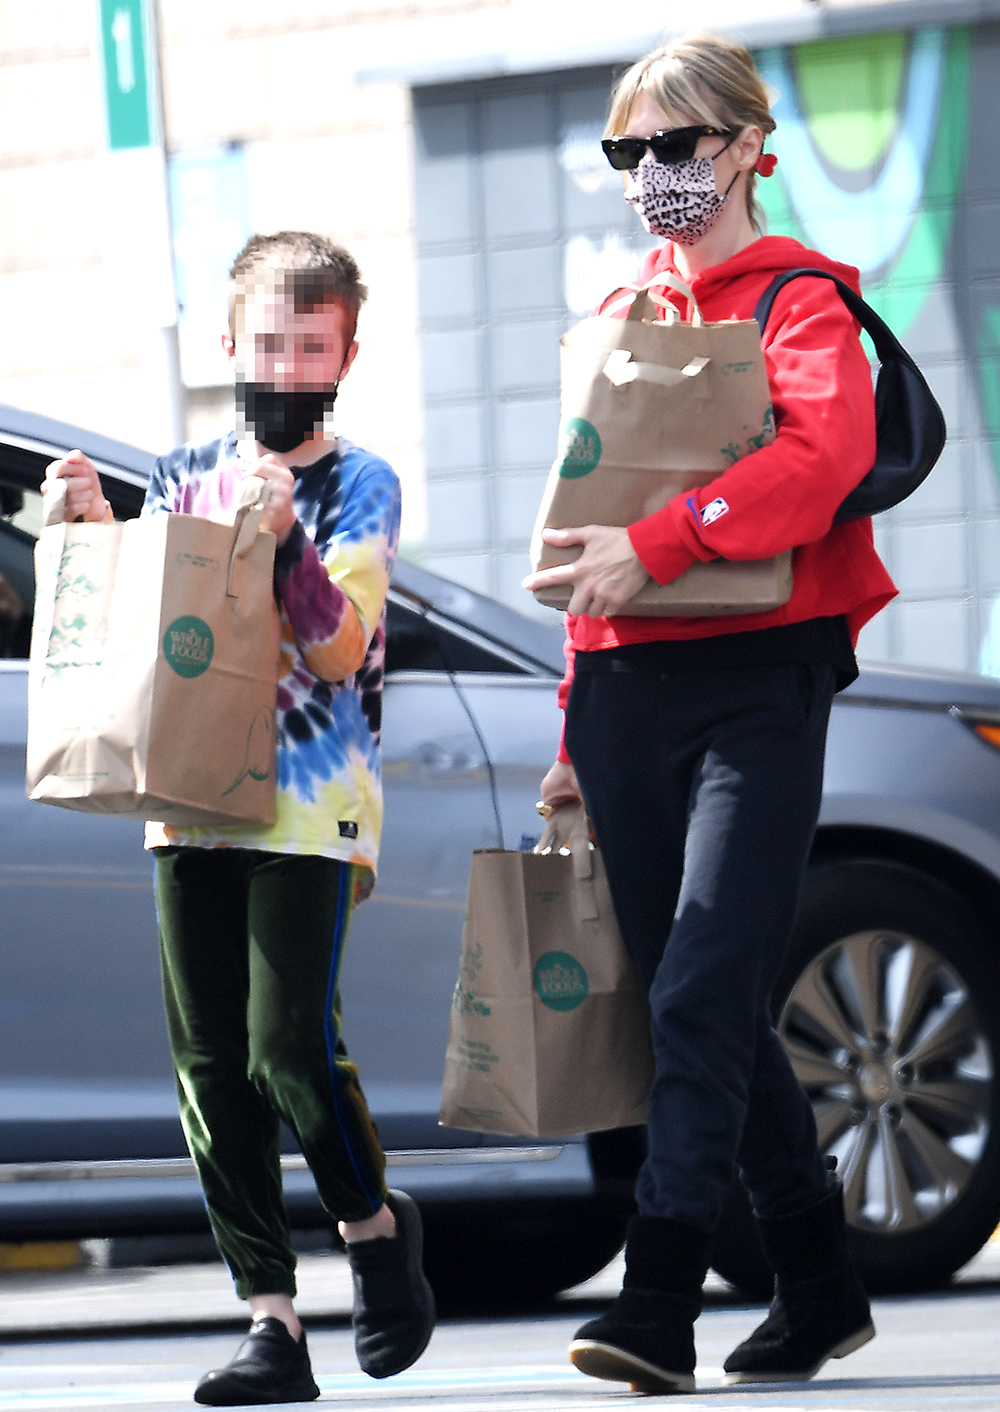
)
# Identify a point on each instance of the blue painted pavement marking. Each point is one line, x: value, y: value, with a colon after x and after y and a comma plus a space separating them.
x: 507, y: 1389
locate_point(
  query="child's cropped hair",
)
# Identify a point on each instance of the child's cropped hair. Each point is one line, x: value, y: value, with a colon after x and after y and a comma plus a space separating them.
x: 313, y: 269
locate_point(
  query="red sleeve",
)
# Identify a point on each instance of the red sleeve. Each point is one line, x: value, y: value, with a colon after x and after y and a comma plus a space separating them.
x: 569, y: 652
x: 787, y: 493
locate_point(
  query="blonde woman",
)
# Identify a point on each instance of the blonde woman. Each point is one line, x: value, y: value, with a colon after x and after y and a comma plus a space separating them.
x: 698, y: 745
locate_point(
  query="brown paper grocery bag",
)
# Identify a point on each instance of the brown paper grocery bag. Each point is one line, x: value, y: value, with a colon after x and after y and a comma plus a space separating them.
x: 549, y: 1028
x: 153, y: 669
x: 651, y: 409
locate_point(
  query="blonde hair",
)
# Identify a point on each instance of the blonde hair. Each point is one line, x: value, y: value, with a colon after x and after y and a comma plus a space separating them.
x: 702, y: 78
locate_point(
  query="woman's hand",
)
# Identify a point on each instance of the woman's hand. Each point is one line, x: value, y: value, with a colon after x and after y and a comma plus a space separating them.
x: 560, y: 786
x: 84, y: 496
x: 606, y: 575
x: 279, y: 516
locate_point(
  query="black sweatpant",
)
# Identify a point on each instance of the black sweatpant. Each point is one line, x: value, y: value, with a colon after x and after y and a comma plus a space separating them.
x: 704, y: 789
x: 251, y: 945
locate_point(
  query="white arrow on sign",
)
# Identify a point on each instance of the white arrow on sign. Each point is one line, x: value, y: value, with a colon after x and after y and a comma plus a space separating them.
x: 121, y: 33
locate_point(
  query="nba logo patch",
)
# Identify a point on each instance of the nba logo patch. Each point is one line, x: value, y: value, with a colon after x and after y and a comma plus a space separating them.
x: 713, y: 510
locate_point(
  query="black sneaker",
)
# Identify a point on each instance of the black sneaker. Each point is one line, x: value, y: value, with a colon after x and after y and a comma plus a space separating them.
x: 394, y: 1314
x: 270, y: 1366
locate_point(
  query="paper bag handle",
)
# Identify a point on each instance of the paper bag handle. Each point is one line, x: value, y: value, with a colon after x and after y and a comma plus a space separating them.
x: 561, y: 825
x: 681, y: 288
x: 54, y: 502
x: 639, y: 296
x: 254, y: 496
x: 568, y: 828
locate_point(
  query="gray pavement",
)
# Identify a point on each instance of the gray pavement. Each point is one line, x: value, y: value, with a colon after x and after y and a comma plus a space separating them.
x: 88, y: 1300
x: 136, y: 1340
x: 934, y: 1353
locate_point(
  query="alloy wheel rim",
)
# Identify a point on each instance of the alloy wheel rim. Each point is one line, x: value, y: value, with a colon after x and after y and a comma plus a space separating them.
x: 887, y: 1041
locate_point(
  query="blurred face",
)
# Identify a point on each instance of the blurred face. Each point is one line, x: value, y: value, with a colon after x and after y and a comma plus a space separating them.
x: 287, y: 348
x: 289, y: 357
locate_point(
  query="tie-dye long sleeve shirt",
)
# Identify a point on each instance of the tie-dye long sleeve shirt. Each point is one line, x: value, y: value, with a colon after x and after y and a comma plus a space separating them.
x: 331, y: 578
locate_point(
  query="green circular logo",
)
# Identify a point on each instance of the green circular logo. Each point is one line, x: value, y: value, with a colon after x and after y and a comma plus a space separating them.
x: 560, y: 980
x: 581, y: 448
x: 188, y: 646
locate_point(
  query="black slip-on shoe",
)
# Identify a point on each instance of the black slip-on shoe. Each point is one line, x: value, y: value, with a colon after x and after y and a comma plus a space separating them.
x: 269, y: 1366
x: 394, y: 1313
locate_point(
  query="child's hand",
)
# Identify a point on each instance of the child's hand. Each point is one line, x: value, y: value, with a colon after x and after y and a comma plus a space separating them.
x: 280, y: 513
x: 84, y: 496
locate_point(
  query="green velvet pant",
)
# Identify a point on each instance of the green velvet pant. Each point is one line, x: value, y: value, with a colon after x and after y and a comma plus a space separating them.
x: 251, y: 945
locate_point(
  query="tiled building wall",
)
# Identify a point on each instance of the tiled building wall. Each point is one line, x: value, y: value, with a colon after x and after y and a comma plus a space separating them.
x: 512, y: 229
x: 322, y: 151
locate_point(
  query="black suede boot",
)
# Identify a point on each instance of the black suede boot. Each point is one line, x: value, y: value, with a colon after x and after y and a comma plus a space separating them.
x: 646, y: 1338
x: 820, y: 1309
x: 269, y: 1366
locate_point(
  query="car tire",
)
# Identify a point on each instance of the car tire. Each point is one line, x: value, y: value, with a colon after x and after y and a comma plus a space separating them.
x: 517, y: 1257
x: 889, y: 1005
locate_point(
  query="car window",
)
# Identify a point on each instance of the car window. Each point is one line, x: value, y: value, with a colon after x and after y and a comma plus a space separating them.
x: 21, y: 508
x: 422, y: 642
x: 416, y: 642
x: 20, y: 522
x: 21, y: 513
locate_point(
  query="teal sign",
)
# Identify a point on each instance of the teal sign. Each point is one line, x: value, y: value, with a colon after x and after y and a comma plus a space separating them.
x: 581, y: 448
x: 127, y: 90
x: 560, y: 981
x: 188, y: 645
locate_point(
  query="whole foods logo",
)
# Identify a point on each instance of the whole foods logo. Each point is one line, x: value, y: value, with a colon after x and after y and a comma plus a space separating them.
x: 560, y: 981
x: 188, y: 646
x: 581, y: 448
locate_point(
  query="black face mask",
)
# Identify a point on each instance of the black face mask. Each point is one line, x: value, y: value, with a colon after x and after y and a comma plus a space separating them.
x: 282, y: 420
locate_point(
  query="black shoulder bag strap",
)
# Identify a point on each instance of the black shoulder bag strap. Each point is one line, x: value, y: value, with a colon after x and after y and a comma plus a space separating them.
x: 909, y: 425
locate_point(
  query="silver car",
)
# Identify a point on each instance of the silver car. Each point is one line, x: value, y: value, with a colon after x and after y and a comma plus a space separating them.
x: 889, y: 1002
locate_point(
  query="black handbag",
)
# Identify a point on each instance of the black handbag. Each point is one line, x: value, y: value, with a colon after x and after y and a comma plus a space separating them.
x: 910, y: 429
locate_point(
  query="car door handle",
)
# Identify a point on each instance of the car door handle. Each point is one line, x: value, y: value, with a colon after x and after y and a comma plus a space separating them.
x: 436, y: 758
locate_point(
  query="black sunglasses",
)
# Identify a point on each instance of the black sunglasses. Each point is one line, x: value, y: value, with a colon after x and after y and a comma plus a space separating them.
x: 672, y: 144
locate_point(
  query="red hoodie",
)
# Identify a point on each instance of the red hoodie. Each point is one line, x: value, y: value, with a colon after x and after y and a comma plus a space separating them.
x: 785, y: 495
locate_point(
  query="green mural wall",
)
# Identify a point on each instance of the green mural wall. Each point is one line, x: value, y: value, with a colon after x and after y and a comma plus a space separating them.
x: 850, y: 118
x: 879, y: 165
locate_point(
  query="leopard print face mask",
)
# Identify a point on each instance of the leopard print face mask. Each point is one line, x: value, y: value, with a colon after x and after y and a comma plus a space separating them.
x: 677, y: 199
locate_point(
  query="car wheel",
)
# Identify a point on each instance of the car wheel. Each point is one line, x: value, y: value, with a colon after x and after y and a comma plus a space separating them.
x: 889, y: 1007
x: 508, y: 1257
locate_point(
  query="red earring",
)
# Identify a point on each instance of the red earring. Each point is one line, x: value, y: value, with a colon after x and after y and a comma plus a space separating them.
x: 766, y: 164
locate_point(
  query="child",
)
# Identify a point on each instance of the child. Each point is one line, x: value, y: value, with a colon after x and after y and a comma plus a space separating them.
x: 253, y: 919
